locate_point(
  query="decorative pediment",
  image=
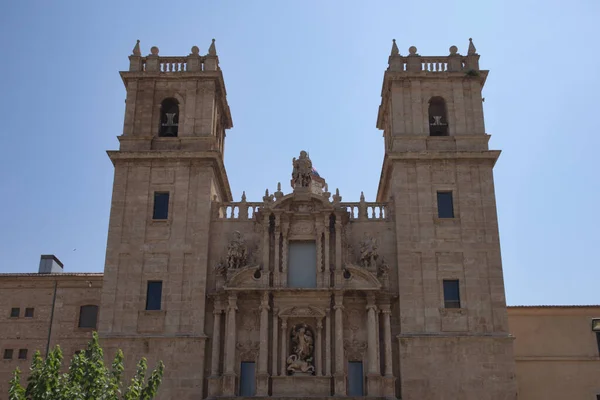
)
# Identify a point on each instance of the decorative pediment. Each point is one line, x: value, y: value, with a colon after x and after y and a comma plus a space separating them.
x: 302, y: 311
x: 303, y: 202
x: 355, y: 277
x: 248, y: 277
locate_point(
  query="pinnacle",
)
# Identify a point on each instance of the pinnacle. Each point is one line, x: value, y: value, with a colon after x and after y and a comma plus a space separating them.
x: 136, y: 49
x: 395, y: 51
x: 472, y: 50
x: 212, y: 50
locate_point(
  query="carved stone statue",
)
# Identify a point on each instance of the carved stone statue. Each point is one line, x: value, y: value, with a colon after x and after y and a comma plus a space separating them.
x: 301, y: 359
x: 302, y: 170
x: 237, y: 252
x: 368, y: 252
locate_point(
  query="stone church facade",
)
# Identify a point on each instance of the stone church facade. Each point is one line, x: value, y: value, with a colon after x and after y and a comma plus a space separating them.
x: 300, y: 294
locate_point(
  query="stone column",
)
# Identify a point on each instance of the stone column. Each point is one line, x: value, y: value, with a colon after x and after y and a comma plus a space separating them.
x: 231, y: 334
x: 318, y: 351
x: 388, y: 379
x: 274, y: 371
x: 328, y: 342
x: 338, y: 252
x: 373, y: 374
x: 262, y: 387
x: 276, y: 262
x: 326, y: 253
x: 214, y: 378
x: 319, y: 244
x: 339, y: 378
x: 284, y: 255
x: 283, y: 346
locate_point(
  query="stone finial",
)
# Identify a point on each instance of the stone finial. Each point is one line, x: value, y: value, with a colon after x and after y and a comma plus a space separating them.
x: 412, y: 50
x: 154, y: 50
x: 453, y: 50
x: 279, y: 186
x: 395, y: 51
x: 472, y: 50
x: 195, y: 50
x: 212, y: 50
x: 336, y: 197
x: 278, y: 194
x: 136, y: 49
x: 362, y: 197
x: 244, y: 196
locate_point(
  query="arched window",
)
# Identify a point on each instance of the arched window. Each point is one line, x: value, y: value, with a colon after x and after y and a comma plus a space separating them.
x: 438, y: 121
x: 169, y: 118
x: 88, y: 316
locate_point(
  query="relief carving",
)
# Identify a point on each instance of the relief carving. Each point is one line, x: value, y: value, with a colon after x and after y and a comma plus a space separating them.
x: 368, y: 252
x: 237, y: 252
x: 248, y: 350
x: 302, y: 228
x: 301, y: 360
x: 355, y: 349
x: 250, y: 321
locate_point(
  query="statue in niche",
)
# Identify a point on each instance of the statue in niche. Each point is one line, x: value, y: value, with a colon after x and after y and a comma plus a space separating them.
x: 237, y: 252
x: 301, y: 359
x: 368, y: 252
x: 383, y: 269
x: 302, y: 170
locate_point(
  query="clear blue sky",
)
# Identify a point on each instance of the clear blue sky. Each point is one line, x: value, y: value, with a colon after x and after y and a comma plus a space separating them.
x: 306, y: 75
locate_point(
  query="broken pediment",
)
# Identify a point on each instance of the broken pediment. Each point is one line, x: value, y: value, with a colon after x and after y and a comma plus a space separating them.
x: 355, y: 277
x: 251, y: 277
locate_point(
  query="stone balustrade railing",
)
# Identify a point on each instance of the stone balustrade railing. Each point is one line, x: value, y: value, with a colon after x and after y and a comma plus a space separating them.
x: 194, y: 62
x: 454, y: 62
x: 246, y: 211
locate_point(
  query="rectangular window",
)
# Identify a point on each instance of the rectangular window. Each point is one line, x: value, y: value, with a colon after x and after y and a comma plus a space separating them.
x: 247, y: 379
x: 88, y: 315
x: 8, y: 353
x: 451, y: 294
x: 14, y: 312
x: 161, y: 205
x: 302, y: 265
x: 29, y: 313
x: 445, y: 205
x: 153, y: 296
x: 22, y: 354
x: 598, y: 341
x: 355, y: 378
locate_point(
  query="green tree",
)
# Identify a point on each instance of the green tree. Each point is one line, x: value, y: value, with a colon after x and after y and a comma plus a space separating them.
x: 87, y: 378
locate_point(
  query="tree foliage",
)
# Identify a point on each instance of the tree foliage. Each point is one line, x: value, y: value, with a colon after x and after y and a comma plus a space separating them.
x: 87, y: 378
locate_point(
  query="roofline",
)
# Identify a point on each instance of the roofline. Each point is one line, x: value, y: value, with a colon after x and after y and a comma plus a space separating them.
x: 558, y: 306
x: 53, y: 275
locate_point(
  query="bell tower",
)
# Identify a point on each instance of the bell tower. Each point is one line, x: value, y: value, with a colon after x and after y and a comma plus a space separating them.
x: 437, y: 174
x: 168, y: 170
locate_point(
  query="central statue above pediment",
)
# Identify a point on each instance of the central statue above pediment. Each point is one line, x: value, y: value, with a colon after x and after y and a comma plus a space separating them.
x: 305, y: 177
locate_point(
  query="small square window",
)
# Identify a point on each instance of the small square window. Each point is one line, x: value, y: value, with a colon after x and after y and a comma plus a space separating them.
x: 451, y: 294
x: 8, y: 353
x: 153, y: 295
x: 14, y: 312
x: 22, y: 354
x: 29, y: 313
x: 161, y: 205
x: 445, y: 205
x: 88, y: 316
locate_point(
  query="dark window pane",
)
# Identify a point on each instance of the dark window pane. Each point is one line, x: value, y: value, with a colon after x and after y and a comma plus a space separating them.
x: 8, y: 353
x: 302, y: 264
x: 153, y: 297
x: 161, y: 205
x: 14, y: 312
x: 29, y: 313
x: 451, y: 294
x: 598, y: 341
x: 22, y: 354
x: 88, y: 315
x: 445, y: 205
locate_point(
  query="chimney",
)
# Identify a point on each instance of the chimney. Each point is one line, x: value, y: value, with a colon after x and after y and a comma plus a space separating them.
x: 49, y: 264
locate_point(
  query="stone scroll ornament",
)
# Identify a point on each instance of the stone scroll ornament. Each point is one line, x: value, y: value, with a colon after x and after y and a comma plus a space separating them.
x: 368, y: 252
x: 300, y: 362
x: 302, y: 170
